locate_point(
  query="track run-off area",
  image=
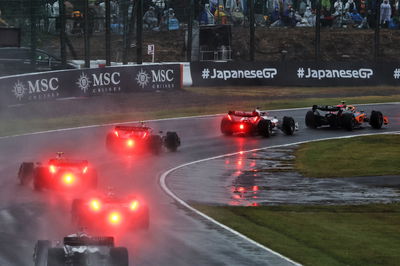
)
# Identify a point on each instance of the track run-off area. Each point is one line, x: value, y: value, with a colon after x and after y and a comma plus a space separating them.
x: 178, y: 235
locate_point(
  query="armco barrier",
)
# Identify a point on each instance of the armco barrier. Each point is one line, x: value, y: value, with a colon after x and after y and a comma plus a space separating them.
x: 89, y: 82
x: 294, y: 74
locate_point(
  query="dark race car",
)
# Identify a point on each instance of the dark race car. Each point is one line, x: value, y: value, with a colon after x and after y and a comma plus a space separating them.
x: 80, y: 250
x: 110, y: 212
x: 140, y: 138
x: 59, y: 173
x: 343, y: 116
x: 255, y: 123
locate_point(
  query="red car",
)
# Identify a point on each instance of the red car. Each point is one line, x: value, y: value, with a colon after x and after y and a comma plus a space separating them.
x: 58, y: 173
x: 110, y: 212
x: 255, y: 123
x: 140, y: 138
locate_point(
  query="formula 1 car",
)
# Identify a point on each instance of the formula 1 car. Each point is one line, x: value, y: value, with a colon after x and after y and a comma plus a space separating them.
x: 343, y: 116
x: 58, y: 173
x: 255, y: 123
x: 139, y: 138
x: 80, y: 250
x: 110, y: 211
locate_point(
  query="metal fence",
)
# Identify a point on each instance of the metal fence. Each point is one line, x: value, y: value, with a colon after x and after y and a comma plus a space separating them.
x: 270, y: 30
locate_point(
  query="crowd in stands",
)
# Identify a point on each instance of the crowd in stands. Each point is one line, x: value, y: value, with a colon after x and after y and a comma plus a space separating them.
x: 160, y: 14
x: 302, y: 13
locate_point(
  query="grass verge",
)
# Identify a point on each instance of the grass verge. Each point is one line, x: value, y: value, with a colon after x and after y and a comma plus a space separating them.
x: 361, y: 156
x: 320, y: 235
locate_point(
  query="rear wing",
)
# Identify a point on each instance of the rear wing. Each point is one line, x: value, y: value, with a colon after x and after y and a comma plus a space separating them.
x: 326, y: 108
x: 132, y: 128
x: 68, y: 162
x: 244, y: 114
x: 89, y: 241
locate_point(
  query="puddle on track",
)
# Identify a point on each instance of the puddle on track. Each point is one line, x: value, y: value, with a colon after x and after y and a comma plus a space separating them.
x: 267, y: 178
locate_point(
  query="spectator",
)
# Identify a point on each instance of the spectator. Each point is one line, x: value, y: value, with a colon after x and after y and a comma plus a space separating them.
x: 2, y: 21
x: 220, y: 15
x: 350, y: 6
x: 237, y: 17
x: 206, y: 17
x: 150, y: 18
x: 356, y: 18
x: 386, y: 13
x: 101, y: 14
x: 302, y: 7
x: 69, y: 23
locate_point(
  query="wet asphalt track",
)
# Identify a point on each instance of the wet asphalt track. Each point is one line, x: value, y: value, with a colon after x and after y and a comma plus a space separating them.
x: 176, y: 236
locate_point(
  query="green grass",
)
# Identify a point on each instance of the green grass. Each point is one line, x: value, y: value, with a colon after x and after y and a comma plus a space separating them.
x: 320, y: 235
x: 361, y: 156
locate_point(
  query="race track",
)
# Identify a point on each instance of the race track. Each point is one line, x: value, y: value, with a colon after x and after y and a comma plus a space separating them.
x: 176, y: 235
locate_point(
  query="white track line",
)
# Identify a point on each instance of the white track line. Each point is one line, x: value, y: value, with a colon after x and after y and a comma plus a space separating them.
x: 164, y: 186
x: 162, y: 119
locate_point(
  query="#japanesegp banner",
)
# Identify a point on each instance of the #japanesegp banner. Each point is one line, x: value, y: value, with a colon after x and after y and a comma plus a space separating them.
x: 234, y: 73
x: 88, y: 82
x: 294, y: 74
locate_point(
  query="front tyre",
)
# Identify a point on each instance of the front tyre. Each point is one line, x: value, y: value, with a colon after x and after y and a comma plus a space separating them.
x: 288, y: 125
x: 172, y: 141
x: 376, y: 119
x: 264, y: 128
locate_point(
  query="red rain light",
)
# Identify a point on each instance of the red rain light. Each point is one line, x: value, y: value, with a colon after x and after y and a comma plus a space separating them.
x: 255, y: 188
x: 114, y: 218
x: 241, y: 189
x: 130, y: 143
x: 68, y: 179
x: 134, y: 205
x: 52, y: 169
x: 95, y: 205
x: 241, y: 126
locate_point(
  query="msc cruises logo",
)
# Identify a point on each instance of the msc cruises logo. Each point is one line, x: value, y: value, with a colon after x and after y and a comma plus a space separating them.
x: 19, y: 90
x: 83, y: 82
x: 142, y: 78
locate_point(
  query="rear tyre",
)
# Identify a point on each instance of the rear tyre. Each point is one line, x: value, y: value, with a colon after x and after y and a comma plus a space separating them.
x: 348, y: 121
x: 119, y: 256
x: 172, y: 141
x: 264, y: 128
x: 311, y: 120
x: 226, y: 127
x: 25, y: 173
x: 288, y: 125
x: 376, y: 119
x: 56, y: 257
x: 41, y: 250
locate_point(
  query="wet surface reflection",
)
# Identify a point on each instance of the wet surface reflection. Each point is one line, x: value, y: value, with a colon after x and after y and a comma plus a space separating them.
x: 268, y: 177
